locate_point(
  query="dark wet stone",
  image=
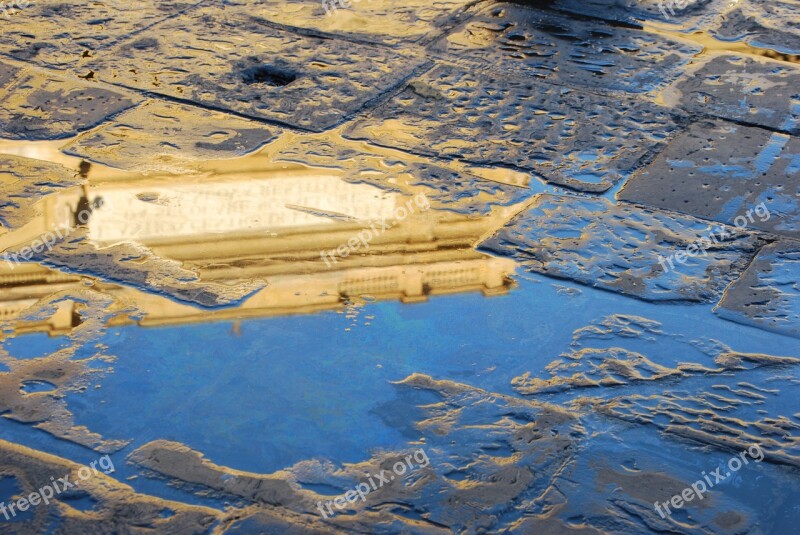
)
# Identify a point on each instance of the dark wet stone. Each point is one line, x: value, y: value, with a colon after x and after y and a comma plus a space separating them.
x: 7, y: 74
x: 768, y: 24
x: 162, y: 136
x: 739, y: 175
x: 758, y: 92
x: 564, y: 50
x: 39, y: 106
x: 55, y: 33
x: 384, y: 21
x: 579, y: 140
x: 254, y: 69
x: 686, y: 14
x: 736, y: 418
x: 624, y: 248
x: 445, y: 188
x: 767, y: 295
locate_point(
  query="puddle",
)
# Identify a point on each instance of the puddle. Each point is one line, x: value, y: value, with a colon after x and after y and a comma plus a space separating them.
x: 451, y: 267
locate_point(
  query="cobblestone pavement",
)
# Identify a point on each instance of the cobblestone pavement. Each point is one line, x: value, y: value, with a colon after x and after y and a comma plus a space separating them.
x: 167, y: 163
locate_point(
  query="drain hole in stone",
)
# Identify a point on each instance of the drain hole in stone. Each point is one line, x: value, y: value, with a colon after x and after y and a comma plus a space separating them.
x: 265, y: 74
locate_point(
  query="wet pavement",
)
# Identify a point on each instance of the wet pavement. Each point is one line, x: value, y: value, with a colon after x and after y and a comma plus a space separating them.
x: 400, y: 267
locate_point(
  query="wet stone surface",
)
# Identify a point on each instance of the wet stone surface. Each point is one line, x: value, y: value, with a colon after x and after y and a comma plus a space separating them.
x: 767, y: 295
x: 36, y: 106
x: 488, y: 118
x: 56, y: 34
x: 543, y: 256
x: 251, y: 68
x: 559, y: 49
x: 772, y: 25
x: 530, y: 444
x: 136, y: 265
x: 25, y: 181
x: 382, y: 21
x: 621, y: 248
x: 688, y: 15
x: 738, y: 175
x: 757, y: 92
x: 160, y: 136
x: 451, y: 188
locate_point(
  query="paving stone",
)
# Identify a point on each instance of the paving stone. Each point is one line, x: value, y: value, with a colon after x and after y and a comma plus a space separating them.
x: 721, y: 171
x: 234, y: 62
x: 688, y: 15
x: 385, y: 21
x: 24, y: 182
x: 583, y: 141
x: 7, y: 74
x: 767, y: 295
x: 456, y: 190
x: 38, y: 106
x: 759, y: 92
x: 624, y: 249
x: 772, y: 24
x: 55, y: 33
x: 164, y: 136
x: 561, y: 49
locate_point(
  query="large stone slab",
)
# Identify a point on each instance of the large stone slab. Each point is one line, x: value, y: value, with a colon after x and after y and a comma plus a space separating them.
x: 238, y: 63
x: 384, y: 21
x: 583, y: 141
x: 686, y: 15
x: 624, y: 248
x: 773, y: 24
x: 740, y: 175
x: 165, y: 136
x: 55, y: 33
x: 36, y: 106
x: 758, y: 92
x: 767, y: 295
x: 569, y: 51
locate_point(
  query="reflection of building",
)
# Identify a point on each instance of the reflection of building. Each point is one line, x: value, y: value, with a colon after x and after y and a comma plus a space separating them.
x: 264, y: 224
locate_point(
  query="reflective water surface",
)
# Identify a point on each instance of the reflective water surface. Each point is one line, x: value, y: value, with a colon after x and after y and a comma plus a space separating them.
x: 255, y: 255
